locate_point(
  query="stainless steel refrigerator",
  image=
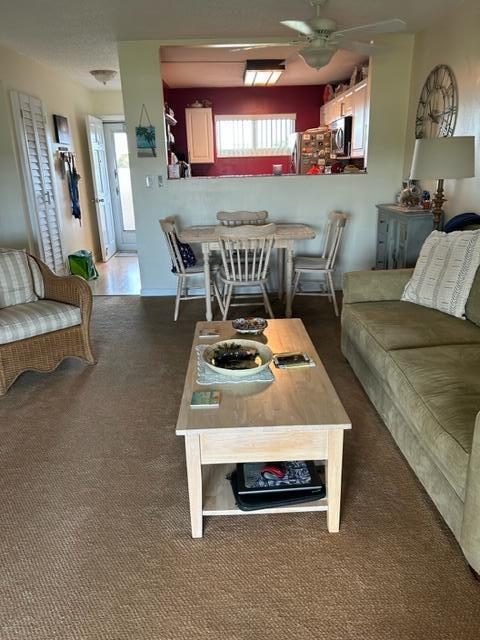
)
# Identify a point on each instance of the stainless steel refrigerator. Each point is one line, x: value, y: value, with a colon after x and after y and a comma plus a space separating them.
x: 311, y: 148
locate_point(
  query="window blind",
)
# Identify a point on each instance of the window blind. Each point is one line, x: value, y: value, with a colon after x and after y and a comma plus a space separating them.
x: 254, y: 135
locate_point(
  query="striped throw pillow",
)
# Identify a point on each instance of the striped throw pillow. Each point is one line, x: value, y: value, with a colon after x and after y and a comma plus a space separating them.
x: 16, y: 283
x: 444, y: 272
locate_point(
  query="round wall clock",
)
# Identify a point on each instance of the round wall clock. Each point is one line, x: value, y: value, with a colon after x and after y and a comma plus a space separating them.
x: 438, y: 104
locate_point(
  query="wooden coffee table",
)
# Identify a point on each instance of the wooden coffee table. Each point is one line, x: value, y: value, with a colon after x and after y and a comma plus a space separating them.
x: 298, y: 416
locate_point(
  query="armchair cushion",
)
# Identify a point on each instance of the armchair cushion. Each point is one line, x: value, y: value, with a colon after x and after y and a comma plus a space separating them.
x: 22, y: 321
x: 16, y: 282
x: 38, y: 284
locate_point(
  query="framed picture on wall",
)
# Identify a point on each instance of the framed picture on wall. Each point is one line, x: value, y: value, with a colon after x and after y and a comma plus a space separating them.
x: 62, y: 132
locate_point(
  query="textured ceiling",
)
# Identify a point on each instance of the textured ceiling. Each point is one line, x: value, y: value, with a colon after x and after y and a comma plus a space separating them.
x: 202, y: 67
x: 77, y: 36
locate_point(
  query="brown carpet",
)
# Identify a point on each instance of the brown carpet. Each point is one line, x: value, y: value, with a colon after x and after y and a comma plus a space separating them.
x: 95, y: 540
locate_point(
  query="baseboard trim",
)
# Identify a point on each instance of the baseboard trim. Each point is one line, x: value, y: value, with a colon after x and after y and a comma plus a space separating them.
x: 169, y: 292
x: 157, y: 292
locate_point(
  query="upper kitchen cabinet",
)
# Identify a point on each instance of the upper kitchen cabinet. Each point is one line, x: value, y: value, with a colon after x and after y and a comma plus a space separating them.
x: 354, y: 102
x: 360, y: 120
x: 199, y: 126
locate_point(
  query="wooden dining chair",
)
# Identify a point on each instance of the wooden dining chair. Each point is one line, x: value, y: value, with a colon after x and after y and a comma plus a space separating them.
x: 236, y: 218
x: 245, y: 251
x: 323, y: 265
x: 179, y: 254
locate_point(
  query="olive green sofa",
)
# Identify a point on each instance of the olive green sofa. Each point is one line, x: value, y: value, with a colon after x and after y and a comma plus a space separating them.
x: 421, y: 370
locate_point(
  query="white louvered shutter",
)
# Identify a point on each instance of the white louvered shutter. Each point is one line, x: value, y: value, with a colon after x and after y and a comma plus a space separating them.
x: 41, y: 177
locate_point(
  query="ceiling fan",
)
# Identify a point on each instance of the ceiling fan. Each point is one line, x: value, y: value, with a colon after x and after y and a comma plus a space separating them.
x: 323, y: 39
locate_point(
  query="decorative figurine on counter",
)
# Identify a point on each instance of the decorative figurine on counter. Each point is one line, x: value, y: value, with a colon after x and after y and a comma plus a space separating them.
x: 410, y: 196
x: 426, y: 200
x: 185, y: 170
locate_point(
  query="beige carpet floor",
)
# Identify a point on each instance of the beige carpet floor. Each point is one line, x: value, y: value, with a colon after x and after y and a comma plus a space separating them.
x: 94, y: 524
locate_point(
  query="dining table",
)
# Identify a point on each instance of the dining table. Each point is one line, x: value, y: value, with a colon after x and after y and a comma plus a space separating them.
x: 286, y: 235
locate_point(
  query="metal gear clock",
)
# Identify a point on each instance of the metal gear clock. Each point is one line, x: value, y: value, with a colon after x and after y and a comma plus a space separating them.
x: 438, y: 104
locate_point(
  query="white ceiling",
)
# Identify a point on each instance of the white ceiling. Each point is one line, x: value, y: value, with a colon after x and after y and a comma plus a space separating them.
x: 76, y: 36
x: 201, y: 67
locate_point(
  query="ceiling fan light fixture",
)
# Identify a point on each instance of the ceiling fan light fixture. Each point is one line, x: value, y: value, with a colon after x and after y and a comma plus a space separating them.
x: 103, y: 75
x: 317, y: 57
x: 263, y: 73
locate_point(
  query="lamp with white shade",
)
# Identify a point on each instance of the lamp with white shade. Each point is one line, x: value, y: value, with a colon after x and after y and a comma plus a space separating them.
x: 443, y: 158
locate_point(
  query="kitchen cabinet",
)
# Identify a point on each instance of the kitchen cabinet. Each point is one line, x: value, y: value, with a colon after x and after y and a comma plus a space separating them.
x: 346, y: 106
x: 352, y: 102
x: 199, y: 124
x: 360, y: 120
x: 331, y: 111
x: 401, y: 233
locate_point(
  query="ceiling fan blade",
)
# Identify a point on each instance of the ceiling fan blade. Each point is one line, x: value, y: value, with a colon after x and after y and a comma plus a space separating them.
x: 361, y: 47
x: 299, y: 26
x: 256, y: 46
x: 386, y: 26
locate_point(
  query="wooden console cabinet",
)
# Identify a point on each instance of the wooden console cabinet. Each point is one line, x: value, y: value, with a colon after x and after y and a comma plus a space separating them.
x: 401, y: 233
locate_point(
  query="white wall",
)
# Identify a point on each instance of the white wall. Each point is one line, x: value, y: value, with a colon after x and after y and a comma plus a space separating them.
x: 60, y: 96
x: 106, y: 103
x: 299, y: 198
x: 13, y: 222
x: 455, y: 41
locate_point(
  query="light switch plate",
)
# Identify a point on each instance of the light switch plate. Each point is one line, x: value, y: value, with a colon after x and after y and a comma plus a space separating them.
x: 160, y: 181
x: 149, y: 181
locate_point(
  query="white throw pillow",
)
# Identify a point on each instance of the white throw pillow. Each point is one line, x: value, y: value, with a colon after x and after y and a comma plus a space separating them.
x: 444, y: 272
x: 16, y: 283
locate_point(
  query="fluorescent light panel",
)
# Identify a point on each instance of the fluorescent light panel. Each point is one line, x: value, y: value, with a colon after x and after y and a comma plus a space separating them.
x: 262, y: 75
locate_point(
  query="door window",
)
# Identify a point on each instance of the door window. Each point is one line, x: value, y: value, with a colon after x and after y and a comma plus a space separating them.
x: 123, y: 174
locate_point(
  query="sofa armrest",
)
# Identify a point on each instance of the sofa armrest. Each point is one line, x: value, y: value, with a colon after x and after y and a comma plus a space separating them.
x: 470, y: 534
x: 373, y: 286
x: 69, y: 289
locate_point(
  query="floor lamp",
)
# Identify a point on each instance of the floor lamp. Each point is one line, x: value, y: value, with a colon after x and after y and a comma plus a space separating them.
x: 443, y: 158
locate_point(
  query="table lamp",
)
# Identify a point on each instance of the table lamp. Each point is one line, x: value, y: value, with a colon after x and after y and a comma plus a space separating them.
x: 443, y: 158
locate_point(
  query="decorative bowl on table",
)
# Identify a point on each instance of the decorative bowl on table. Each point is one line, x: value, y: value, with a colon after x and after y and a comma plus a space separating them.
x: 252, y: 326
x: 237, y: 358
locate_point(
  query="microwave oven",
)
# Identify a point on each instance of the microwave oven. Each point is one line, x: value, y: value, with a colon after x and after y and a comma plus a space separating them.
x: 341, y: 137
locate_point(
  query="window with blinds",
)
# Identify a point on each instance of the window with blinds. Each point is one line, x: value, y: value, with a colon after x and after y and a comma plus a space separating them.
x: 39, y: 178
x: 256, y: 135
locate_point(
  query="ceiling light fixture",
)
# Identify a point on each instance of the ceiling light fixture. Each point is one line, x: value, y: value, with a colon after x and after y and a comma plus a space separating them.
x: 103, y: 75
x: 317, y: 57
x: 263, y: 73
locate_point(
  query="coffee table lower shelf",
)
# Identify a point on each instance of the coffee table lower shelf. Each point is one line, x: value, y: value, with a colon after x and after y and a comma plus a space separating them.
x: 218, y: 499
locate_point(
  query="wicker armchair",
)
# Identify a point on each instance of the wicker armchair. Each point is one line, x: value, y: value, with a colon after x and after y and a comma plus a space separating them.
x: 44, y: 352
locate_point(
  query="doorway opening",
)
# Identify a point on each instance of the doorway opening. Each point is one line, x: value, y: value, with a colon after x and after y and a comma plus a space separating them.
x: 119, y: 270
x: 116, y: 147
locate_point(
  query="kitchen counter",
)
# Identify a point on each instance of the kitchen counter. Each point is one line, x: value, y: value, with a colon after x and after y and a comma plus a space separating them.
x: 270, y: 175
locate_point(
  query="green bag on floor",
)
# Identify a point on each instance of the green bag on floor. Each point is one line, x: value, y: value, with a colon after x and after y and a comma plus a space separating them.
x: 81, y: 264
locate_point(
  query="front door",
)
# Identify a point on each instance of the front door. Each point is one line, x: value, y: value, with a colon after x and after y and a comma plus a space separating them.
x: 101, y: 188
x: 120, y: 185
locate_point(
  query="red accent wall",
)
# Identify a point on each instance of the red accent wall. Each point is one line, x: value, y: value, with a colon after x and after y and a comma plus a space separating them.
x: 305, y: 101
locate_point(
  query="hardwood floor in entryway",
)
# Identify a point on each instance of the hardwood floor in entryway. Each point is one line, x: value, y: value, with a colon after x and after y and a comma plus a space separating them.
x: 119, y: 276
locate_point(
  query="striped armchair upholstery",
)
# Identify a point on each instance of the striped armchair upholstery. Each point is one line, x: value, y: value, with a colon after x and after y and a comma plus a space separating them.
x: 22, y: 321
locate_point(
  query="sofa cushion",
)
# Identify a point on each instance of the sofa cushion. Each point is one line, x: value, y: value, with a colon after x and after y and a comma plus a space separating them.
x: 34, y: 318
x: 445, y: 271
x: 438, y: 391
x: 378, y: 327
x: 472, y: 308
x: 16, y: 282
